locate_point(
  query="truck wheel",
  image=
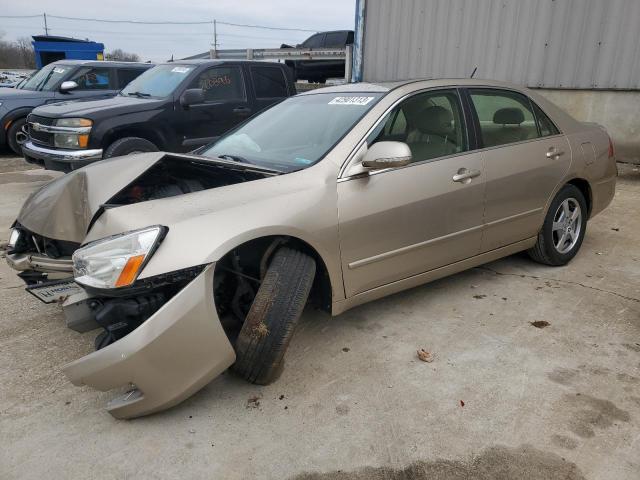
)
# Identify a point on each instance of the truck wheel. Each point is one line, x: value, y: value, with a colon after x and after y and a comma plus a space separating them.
x: 273, y: 316
x: 563, y: 229
x: 127, y: 146
x: 16, y: 136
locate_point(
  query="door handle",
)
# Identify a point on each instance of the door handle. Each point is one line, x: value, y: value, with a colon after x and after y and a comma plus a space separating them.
x: 554, y: 153
x: 242, y: 110
x: 465, y: 176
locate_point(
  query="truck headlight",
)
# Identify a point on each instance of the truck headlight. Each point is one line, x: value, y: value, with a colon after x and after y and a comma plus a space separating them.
x: 116, y: 261
x: 77, y: 135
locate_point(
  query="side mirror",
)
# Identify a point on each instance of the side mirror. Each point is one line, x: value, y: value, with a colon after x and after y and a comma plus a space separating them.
x: 387, y: 155
x: 192, y: 96
x: 68, y: 86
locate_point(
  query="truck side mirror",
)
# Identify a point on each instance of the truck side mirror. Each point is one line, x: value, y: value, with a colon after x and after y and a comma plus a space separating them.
x: 68, y: 86
x: 192, y: 96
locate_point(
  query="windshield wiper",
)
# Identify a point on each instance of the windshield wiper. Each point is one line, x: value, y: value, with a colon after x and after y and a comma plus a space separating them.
x: 139, y: 94
x: 235, y: 158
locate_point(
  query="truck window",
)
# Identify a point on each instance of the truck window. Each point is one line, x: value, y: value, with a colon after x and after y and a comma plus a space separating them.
x: 315, y: 41
x: 335, y: 39
x: 126, y: 75
x: 220, y: 83
x: 93, y: 78
x: 269, y: 82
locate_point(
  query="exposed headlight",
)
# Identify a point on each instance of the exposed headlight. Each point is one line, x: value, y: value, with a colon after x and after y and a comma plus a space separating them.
x: 73, y: 122
x: 14, y: 237
x: 116, y: 261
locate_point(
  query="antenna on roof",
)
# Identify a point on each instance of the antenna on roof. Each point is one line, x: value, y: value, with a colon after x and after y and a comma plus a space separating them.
x: 474, y: 72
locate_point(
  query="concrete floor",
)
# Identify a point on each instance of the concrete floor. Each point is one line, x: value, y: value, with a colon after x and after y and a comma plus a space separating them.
x: 502, y: 399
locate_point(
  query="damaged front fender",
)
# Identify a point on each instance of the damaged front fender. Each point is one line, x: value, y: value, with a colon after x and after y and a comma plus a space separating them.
x: 172, y: 355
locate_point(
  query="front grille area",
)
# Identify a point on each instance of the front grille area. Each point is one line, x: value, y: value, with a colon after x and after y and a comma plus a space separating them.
x: 31, y: 242
x: 41, y: 138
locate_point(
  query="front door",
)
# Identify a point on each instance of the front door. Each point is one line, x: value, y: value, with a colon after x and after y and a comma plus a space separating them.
x: 401, y: 222
x: 224, y: 107
x: 525, y: 158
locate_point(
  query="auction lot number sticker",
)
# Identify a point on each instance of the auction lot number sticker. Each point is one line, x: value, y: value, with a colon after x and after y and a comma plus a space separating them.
x: 351, y: 100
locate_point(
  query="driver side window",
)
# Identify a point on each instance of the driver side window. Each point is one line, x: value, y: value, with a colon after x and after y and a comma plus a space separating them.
x: 93, y: 79
x: 430, y: 123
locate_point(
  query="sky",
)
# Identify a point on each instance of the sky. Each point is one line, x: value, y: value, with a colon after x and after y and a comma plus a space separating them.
x: 160, y: 42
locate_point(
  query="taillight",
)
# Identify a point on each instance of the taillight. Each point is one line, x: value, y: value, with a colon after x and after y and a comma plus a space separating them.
x: 611, y: 149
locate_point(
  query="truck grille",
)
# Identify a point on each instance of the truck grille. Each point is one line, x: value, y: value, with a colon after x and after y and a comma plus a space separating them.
x: 38, y: 137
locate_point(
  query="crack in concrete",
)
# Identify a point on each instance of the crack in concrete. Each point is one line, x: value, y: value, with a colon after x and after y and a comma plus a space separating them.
x: 567, y: 282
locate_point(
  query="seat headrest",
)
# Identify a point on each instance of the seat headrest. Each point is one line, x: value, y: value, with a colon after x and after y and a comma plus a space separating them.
x: 508, y: 116
x: 434, y: 120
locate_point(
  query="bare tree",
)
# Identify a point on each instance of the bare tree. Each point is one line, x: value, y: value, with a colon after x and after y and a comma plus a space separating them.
x: 121, y: 56
x: 18, y: 54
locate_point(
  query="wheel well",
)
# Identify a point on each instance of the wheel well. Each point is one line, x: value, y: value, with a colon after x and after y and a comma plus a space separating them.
x: 584, y: 187
x: 252, y: 258
x: 141, y: 132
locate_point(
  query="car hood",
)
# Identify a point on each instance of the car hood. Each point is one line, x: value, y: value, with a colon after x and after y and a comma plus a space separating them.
x: 18, y: 94
x: 90, y: 108
x: 65, y: 208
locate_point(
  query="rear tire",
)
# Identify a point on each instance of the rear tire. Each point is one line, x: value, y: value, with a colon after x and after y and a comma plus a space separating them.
x: 273, y: 316
x: 15, y: 136
x: 562, y: 235
x: 127, y: 146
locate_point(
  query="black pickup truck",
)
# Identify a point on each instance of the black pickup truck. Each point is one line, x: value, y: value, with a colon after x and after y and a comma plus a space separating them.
x: 319, y: 70
x: 60, y: 81
x: 176, y: 107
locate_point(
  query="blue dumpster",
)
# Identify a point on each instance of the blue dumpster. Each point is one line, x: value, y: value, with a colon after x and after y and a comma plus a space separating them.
x: 49, y: 49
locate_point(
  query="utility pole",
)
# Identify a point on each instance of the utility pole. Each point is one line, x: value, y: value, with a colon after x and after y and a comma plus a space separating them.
x: 46, y: 29
x: 214, y: 52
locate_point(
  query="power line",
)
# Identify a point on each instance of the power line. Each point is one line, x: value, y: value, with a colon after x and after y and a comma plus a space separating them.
x: 143, y: 22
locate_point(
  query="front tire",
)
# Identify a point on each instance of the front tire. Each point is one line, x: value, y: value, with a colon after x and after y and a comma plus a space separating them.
x: 129, y: 145
x: 16, y: 136
x: 563, y: 229
x: 273, y: 316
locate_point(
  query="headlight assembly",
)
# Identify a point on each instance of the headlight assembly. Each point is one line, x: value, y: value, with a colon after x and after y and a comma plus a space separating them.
x: 115, y: 262
x: 14, y: 238
x: 72, y: 132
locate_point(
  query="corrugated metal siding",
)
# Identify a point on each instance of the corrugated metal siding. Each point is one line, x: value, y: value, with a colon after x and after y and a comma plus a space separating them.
x: 584, y: 44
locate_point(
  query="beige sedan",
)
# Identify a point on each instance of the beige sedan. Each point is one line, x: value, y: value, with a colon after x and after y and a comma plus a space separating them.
x: 191, y: 264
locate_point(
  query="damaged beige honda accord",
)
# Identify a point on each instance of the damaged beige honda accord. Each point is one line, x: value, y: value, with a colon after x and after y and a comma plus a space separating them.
x: 194, y: 263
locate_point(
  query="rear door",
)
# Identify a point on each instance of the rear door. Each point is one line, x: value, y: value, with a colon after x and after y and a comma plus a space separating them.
x: 397, y: 223
x: 225, y: 105
x: 269, y: 85
x: 525, y: 157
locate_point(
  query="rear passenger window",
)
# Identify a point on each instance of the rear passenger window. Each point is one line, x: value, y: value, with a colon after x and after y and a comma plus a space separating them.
x: 220, y: 83
x: 545, y: 125
x: 314, y: 41
x: 505, y: 116
x: 430, y: 123
x: 93, y: 78
x: 269, y: 82
x: 126, y: 75
x: 335, y: 39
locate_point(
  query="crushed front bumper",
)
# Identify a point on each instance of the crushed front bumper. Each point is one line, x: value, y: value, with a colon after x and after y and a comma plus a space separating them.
x: 59, y: 159
x: 172, y: 355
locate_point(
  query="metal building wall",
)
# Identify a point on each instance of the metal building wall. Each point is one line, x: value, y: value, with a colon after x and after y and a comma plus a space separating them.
x: 577, y: 44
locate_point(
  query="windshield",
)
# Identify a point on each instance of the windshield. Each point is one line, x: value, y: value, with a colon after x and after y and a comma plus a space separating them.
x: 295, y: 133
x: 158, y: 82
x: 47, y: 78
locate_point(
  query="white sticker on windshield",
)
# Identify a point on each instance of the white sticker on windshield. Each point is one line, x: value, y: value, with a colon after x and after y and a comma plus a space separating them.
x: 180, y: 69
x: 58, y: 70
x: 351, y: 100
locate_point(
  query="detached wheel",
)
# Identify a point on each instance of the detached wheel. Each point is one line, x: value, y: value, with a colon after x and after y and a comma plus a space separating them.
x: 273, y: 316
x: 16, y: 135
x: 129, y: 145
x: 563, y: 230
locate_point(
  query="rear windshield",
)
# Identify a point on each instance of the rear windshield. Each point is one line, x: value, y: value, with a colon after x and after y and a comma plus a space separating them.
x: 47, y: 78
x: 159, y: 81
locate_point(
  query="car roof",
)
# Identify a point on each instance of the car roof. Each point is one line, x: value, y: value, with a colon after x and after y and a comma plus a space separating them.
x: 101, y: 63
x: 383, y: 87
